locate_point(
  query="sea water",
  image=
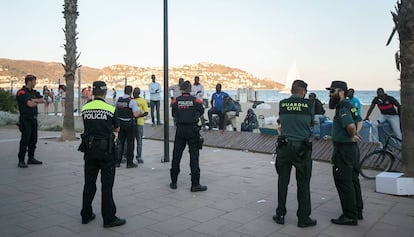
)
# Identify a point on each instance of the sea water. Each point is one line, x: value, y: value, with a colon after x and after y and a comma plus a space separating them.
x: 274, y: 96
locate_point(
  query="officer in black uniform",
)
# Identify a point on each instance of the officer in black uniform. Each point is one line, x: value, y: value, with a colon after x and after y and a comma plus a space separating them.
x: 294, y: 149
x: 186, y: 110
x: 27, y: 100
x: 127, y: 110
x: 345, y: 158
x: 100, y: 123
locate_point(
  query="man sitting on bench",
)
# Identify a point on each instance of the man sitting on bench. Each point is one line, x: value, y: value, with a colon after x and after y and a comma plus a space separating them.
x: 216, y: 107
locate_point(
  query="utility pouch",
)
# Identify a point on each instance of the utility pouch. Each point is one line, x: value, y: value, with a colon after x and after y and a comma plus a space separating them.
x: 282, y: 141
x: 84, y: 143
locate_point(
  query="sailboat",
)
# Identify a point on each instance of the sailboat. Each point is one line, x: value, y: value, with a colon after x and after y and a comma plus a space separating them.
x: 293, y: 74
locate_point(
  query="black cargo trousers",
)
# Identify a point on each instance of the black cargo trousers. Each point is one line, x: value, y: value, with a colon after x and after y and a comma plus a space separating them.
x: 186, y: 134
x: 345, y: 159
x: 99, y: 158
x: 28, y: 128
x: 297, y: 154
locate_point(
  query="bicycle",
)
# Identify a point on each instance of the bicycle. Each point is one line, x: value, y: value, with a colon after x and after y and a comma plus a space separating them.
x: 381, y: 160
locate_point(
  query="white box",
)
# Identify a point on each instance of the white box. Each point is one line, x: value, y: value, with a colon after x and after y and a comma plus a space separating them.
x: 393, y: 183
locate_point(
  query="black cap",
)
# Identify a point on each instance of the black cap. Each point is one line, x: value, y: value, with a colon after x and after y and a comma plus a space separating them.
x: 312, y: 95
x: 99, y: 86
x: 300, y: 83
x: 338, y: 85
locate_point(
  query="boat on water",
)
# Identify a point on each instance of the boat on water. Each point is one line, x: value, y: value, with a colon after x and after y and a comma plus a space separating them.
x: 293, y: 74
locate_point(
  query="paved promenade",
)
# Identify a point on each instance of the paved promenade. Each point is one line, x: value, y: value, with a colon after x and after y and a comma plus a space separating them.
x: 45, y: 200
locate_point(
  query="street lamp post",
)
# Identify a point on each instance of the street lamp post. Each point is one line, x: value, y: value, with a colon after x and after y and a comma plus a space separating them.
x: 11, y: 86
x: 166, y: 91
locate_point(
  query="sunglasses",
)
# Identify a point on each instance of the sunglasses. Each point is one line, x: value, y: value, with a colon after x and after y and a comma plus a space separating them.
x: 333, y: 90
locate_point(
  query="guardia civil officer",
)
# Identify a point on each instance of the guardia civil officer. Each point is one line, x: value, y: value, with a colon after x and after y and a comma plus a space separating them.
x: 294, y: 149
x: 345, y: 158
x: 127, y: 110
x: 28, y: 99
x: 186, y: 110
x: 100, y: 123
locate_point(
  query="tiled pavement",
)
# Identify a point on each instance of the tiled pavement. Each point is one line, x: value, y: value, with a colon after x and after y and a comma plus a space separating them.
x: 45, y: 200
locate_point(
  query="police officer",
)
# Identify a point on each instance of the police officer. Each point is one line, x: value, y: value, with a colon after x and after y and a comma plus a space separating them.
x: 186, y: 110
x: 127, y: 110
x: 27, y: 100
x: 345, y: 157
x: 294, y: 149
x: 99, y: 123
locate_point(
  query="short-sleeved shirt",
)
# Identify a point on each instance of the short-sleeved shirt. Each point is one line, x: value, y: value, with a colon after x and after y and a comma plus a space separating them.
x: 218, y: 100
x: 355, y: 103
x: 99, y: 118
x: 386, y: 106
x: 143, y: 107
x: 296, y: 116
x: 23, y: 95
x: 345, y: 114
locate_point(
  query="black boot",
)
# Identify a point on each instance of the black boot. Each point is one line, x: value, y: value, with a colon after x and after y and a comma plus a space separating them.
x: 33, y: 161
x: 174, y: 176
x: 22, y: 164
x: 195, y: 184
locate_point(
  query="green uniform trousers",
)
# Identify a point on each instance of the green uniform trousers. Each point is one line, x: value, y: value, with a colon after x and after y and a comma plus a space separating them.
x: 295, y: 154
x: 346, y: 168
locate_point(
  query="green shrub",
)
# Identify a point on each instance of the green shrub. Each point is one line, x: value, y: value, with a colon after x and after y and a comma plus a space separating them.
x: 7, y: 101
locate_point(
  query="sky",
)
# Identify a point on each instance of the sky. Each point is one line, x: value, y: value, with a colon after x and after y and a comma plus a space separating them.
x: 327, y: 39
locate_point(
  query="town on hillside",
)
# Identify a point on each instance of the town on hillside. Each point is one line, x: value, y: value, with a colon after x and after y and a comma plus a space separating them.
x: 12, y: 74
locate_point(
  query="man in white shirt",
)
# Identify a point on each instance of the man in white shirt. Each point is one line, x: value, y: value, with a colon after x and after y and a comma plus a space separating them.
x: 155, y: 98
x: 197, y: 90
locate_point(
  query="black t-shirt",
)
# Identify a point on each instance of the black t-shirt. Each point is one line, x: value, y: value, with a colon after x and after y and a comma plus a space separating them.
x: 386, y: 106
x: 23, y: 95
x: 318, y: 107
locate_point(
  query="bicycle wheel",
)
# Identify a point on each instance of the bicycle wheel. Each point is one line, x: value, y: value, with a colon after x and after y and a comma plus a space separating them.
x: 376, y: 162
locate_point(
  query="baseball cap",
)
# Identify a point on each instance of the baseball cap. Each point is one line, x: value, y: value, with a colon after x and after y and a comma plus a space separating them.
x: 338, y: 85
x: 99, y: 86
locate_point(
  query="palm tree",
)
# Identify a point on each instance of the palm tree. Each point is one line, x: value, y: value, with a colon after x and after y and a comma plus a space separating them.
x: 70, y: 14
x: 404, y: 25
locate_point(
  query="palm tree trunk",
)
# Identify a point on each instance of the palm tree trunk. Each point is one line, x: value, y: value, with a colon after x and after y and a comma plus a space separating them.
x: 405, y: 27
x: 70, y: 14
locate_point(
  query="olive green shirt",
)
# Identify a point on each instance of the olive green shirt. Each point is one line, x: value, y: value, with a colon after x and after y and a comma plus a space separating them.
x: 296, y: 116
x: 345, y: 114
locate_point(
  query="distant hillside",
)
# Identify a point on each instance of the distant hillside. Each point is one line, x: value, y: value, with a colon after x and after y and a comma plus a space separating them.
x: 210, y: 74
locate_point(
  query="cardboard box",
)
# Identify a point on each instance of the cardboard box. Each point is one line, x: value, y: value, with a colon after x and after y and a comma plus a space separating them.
x: 393, y: 183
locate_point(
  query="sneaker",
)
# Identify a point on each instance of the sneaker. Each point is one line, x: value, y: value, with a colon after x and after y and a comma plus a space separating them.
x: 33, y: 161
x: 198, y: 188
x: 22, y: 165
x: 116, y: 222
x: 140, y: 161
x: 89, y: 219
